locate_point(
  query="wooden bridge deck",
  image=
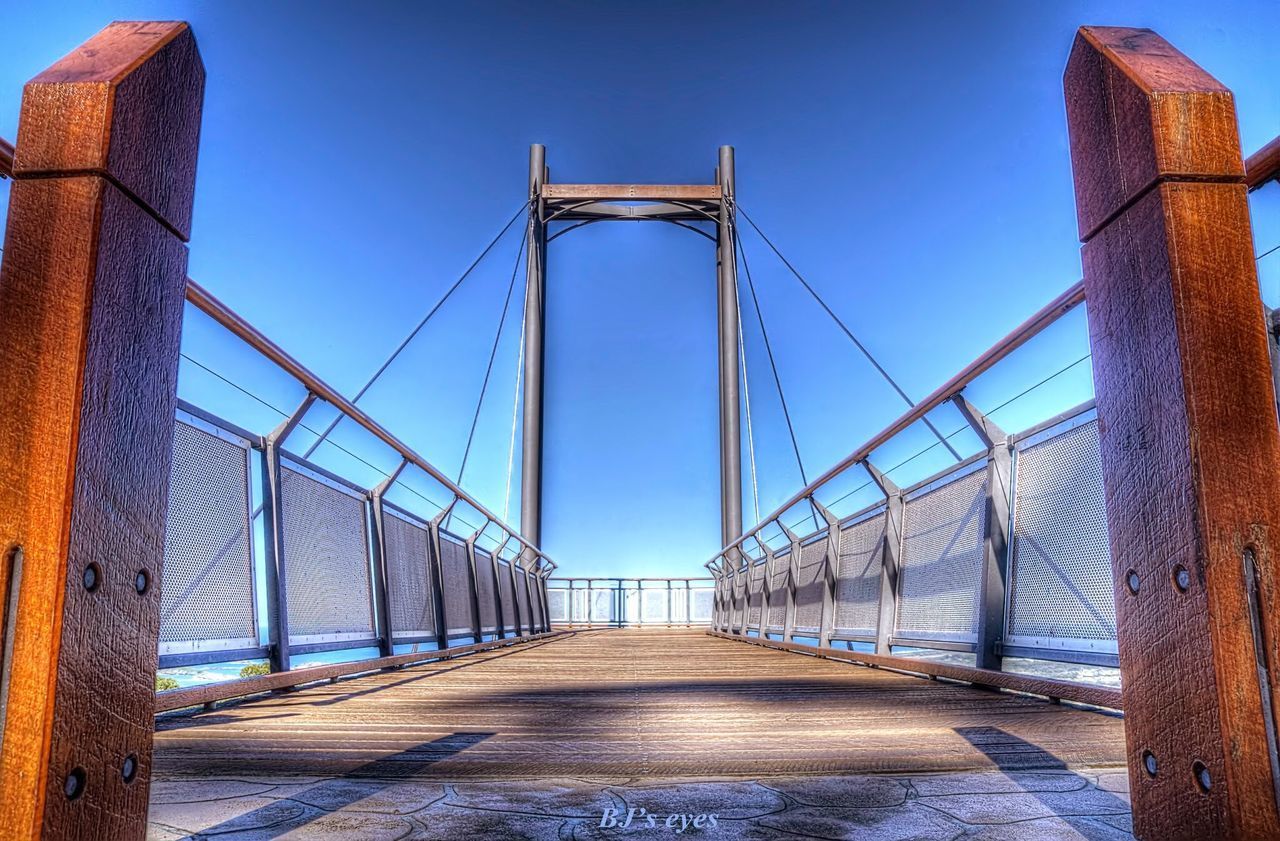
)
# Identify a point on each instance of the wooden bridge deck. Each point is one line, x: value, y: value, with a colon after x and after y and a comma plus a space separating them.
x: 634, y: 704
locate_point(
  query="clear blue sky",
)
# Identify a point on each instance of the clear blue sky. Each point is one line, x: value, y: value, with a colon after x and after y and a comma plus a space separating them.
x: 911, y: 160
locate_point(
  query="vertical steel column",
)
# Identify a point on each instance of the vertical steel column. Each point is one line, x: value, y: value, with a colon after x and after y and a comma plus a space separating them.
x: 830, y: 574
x: 727, y: 323
x: 793, y: 568
x: 762, y: 622
x: 669, y: 603
x: 272, y: 514
x: 500, y: 617
x: 435, y: 561
x: 91, y: 294
x: 1189, y: 441
x: 993, y: 584
x: 473, y: 583
x: 381, y: 593
x: 535, y: 320
x: 888, y: 613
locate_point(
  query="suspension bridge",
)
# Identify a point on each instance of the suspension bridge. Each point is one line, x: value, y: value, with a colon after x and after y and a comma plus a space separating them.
x: 1068, y: 630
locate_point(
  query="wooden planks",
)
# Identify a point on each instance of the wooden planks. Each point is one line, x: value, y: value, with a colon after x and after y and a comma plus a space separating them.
x: 91, y: 296
x: 635, y: 703
x: 1188, y: 431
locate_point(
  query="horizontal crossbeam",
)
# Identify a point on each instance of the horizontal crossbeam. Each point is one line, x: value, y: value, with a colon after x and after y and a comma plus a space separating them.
x: 632, y: 192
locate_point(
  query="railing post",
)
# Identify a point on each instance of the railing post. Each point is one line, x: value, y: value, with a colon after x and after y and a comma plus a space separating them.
x: 435, y: 568
x: 473, y: 583
x: 500, y: 614
x: 273, y: 525
x: 993, y: 584
x: 793, y: 567
x: 381, y: 592
x: 894, y: 504
x: 830, y: 574
x: 1188, y: 432
x: 91, y: 296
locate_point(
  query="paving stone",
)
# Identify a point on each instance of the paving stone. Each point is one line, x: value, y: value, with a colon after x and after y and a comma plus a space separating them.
x: 390, y: 797
x: 238, y: 814
x: 1052, y: 829
x: 997, y: 782
x: 743, y: 799
x: 195, y: 791
x: 561, y: 798
x: 910, y: 821
x: 849, y: 792
x: 343, y: 826
x: 156, y: 832
x: 452, y: 823
x: 1021, y: 806
x: 1117, y: 781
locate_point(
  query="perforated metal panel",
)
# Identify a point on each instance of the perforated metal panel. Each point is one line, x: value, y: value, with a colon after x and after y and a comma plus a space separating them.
x: 455, y: 570
x: 484, y: 590
x: 679, y: 598
x: 509, y: 604
x: 739, y: 599
x: 535, y: 591
x: 557, y: 605
x: 602, y: 605
x: 326, y: 550
x: 756, y: 591
x: 409, y: 585
x: 942, y: 552
x: 1061, y: 594
x: 653, y: 605
x: 809, y: 585
x: 526, y: 609
x: 778, y: 591
x: 858, y: 582
x: 701, y: 605
x: 207, y: 586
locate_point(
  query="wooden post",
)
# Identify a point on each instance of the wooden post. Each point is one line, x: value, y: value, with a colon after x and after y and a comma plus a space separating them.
x: 91, y: 297
x: 1188, y: 431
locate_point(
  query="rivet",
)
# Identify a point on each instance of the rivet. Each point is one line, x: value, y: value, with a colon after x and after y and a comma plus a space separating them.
x: 142, y: 581
x: 1202, y: 776
x: 129, y: 768
x: 1133, y: 581
x: 73, y: 786
x: 92, y: 577
x: 1149, y: 762
x: 1181, y: 578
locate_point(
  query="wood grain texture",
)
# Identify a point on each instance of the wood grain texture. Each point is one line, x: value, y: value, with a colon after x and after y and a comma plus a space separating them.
x: 176, y: 699
x: 1189, y: 439
x: 125, y: 104
x: 91, y: 295
x: 1098, y: 696
x: 635, y: 703
x: 1140, y: 111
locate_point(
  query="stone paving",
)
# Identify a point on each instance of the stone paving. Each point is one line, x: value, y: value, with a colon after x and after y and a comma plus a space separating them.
x: 1087, y: 804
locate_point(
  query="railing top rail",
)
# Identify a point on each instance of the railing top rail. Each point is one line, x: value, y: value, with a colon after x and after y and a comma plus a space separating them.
x: 207, y: 303
x: 1020, y: 335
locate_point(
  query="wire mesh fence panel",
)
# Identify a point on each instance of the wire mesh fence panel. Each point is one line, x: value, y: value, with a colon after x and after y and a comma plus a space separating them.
x: 1061, y: 594
x: 739, y: 600
x: 778, y: 592
x: 858, y: 575
x: 558, y: 599
x: 455, y: 570
x: 602, y: 605
x: 484, y: 592
x: 579, y: 604
x: 942, y: 551
x: 631, y: 604
x: 700, y: 605
x: 326, y: 550
x: 409, y: 586
x: 526, y: 608
x: 557, y: 605
x: 678, y: 598
x: 755, y: 585
x: 206, y: 593
x: 653, y: 606
x: 809, y: 584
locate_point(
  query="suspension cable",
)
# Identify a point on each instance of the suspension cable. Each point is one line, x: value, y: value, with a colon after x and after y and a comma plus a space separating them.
x: 861, y: 347
x: 768, y: 346
x: 515, y: 416
x: 414, y: 332
x: 497, y: 337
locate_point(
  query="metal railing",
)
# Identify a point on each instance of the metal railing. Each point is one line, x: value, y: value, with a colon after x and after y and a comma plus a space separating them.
x: 619, y: 602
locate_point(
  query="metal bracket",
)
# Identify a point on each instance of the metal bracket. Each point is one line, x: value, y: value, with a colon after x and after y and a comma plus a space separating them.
x: 889, y: 555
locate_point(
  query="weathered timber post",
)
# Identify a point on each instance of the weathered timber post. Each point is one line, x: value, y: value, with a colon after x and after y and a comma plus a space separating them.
x: 1189, y: 438
x: 91, y: 298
